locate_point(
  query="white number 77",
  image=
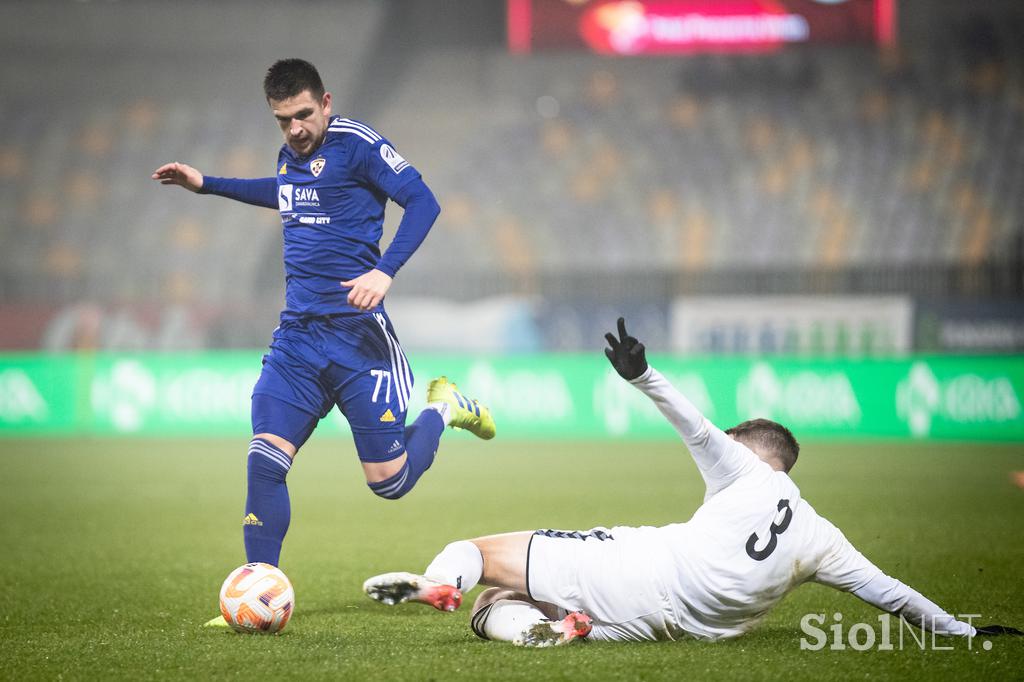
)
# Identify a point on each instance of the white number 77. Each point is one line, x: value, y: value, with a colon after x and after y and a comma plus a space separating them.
x: 381, y: 374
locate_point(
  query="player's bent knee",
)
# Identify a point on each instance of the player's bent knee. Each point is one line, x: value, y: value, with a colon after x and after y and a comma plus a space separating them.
x: 395, y: 486
x: 493, y: 594
x: 282, y: 444
x: 381, y: 470
x: 506, y: 618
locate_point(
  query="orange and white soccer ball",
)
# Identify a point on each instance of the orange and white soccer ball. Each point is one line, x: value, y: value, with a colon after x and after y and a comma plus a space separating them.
x: 257, y: 598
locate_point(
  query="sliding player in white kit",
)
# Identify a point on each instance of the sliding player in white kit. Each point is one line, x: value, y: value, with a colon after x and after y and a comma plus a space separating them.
x: 713, y: 577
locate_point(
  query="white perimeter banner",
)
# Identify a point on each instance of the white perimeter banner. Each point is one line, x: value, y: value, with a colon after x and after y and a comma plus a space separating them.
x: 792, y: 325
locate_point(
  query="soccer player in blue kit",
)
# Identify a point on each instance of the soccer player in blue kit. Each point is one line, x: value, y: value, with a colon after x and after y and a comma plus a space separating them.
x: 335, y: 344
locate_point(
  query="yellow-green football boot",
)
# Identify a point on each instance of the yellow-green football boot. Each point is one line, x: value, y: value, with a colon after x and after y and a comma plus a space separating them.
x: 465, y: 413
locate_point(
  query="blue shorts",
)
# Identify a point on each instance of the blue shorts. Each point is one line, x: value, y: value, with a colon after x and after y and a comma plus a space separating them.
x: 353, y: 361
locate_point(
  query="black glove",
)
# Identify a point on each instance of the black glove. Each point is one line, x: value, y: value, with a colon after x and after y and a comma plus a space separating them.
x: 626, y: 353
x: 992, y: 630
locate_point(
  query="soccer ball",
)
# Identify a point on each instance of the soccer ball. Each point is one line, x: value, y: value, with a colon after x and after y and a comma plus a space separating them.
x: 257, y: 598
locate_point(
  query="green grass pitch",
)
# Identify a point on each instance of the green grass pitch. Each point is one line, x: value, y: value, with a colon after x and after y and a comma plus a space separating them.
x: 115, y: 551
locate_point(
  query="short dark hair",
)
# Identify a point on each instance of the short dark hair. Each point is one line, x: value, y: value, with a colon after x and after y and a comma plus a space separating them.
x: 768, y: 438
x: 289, y: 77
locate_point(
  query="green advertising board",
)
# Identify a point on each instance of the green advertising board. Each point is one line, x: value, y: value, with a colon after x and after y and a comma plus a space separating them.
x: 538, y: 396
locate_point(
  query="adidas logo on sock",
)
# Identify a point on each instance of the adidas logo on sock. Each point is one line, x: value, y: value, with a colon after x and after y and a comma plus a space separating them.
x: 395, y: 447
x: 251, y: 520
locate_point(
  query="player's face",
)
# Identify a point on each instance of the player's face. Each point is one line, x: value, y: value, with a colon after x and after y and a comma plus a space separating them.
x: 303, y: 120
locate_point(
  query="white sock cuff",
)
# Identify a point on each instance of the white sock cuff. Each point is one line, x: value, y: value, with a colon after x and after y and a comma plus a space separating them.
x: 443, y: 409
x: 459, y: 564
x: 271, y: 452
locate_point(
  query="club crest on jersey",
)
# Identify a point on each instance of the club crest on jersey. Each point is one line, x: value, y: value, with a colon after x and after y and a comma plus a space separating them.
x: 393, y: 158
x: 317, y: 166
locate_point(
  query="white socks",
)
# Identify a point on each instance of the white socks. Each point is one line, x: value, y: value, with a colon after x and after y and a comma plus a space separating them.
x: 443, y: 409
x: 459, y: 564
x: 505, y: 620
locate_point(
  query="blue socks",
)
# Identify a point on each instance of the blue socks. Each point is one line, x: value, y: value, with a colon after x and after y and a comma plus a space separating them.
x: 267, y: 507
x: 421, y: 440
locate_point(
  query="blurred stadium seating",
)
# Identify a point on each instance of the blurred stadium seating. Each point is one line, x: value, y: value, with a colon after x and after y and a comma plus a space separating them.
x: 816, y: 160
x: 590, y: 185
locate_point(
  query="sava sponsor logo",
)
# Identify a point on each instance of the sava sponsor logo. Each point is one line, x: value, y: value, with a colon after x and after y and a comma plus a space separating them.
x: 132, y: 396
x: 306, y: 196
x: 289, y: 197
x: 284, y: 197
x: 20, y: 399
x: 965, y: 399
x: 805, y: 397
x: 125, y: 395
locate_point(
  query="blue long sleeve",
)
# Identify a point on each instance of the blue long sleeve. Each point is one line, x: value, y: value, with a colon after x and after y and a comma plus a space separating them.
x: 421, y: 210
x: 255, y: 191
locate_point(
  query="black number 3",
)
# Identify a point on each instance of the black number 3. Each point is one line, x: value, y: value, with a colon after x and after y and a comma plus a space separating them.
x: 776, y: 529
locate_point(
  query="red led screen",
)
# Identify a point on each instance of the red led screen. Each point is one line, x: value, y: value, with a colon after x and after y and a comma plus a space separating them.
x: 665, y: 27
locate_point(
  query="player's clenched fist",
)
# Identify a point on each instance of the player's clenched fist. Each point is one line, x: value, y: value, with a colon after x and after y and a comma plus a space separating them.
x: 368, y: 290
x: 626, y: 354
x: 179, y: 174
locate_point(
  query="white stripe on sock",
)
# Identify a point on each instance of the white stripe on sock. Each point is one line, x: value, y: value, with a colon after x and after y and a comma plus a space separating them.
x: 271, y: 452
x: 394, y: 487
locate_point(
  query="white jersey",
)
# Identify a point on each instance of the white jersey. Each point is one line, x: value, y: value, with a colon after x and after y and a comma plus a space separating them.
x: 752, y: 541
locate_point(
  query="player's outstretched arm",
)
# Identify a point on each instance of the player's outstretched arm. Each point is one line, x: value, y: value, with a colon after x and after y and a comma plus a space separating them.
x: 889, y: 594
x: 892, y: 596
x: 719, y: 458
x: 254, y: 191
x: 844, y: 568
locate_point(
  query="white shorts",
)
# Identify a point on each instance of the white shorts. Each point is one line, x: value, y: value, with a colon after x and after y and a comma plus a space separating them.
x: 609, y: 574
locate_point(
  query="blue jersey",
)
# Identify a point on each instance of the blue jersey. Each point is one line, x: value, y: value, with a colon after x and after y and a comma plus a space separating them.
x: 332, y: 207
